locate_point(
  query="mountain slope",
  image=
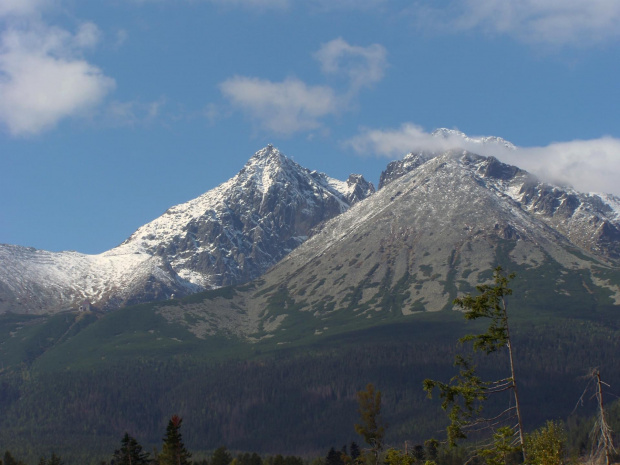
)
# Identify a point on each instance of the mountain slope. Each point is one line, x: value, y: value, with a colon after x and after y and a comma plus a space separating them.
x: 425, y: 237
x: 591, y: 221
x: 229, y: 235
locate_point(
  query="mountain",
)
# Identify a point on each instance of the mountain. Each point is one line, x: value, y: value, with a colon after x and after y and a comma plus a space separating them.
x: 273, y: 365
x: 228, y: 235
x: 591, y: 221
x: 449, y: 139
x: 429, y: 234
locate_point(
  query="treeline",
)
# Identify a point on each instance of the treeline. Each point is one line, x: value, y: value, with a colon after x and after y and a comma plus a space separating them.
x: 574, y: 441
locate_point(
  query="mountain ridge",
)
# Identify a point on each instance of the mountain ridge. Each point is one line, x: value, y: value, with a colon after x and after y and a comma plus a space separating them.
x: 230, y: 234
x: 429, y: 235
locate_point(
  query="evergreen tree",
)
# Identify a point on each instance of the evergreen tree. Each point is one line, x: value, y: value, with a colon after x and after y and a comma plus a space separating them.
x: 9, y: 460
x: 55, y: 460
x: 249, y: 459
x: 355, y: 451
x: 334, y: 457
x: 464, y: 395
x: 220, y: 456
x: 418, y: 452
x: 130, y: 453
x: 173, y: 450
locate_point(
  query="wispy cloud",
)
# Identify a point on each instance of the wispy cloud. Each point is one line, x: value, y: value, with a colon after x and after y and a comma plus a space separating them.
x: 254, y: 4
x: 281, y: 107
x: 362, y: 66
x: 322, y: 5
x: 14, y: 8
x: 291, y: 105
x: 550, y: 22
x: 45, y: 78
x: 133, y: 113
x: 587, y: 165
x: 394, y: 143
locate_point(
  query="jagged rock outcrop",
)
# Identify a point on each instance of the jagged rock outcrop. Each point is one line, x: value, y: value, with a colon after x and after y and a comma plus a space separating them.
x: 229, y: 235
x: 590, y: 221
x: 427, y: 236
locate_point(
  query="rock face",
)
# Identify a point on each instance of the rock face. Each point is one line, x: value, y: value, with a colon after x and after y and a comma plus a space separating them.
x: 229, y: 235
x: 431, y: 233
x: 590, y: 221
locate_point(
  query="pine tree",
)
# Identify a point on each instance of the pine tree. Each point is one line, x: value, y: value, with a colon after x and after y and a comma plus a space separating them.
x: 130, y: 453
x: 334, y: 457
x: 464, y: 395
x: 55, y: 460
x: 220, y: 456
x: 10, y: 460
x: 355, y: 451
x: 173, y: 450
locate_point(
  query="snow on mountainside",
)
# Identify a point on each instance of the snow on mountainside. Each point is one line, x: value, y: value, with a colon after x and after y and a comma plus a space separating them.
x: 436, y: 231
x: 228, y: 235
x: 38, y: 281
x: 591, y: 221
x: 445, y: 139
x: 461, y: 138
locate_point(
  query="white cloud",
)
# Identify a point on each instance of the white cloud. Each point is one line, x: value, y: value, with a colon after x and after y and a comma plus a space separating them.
x: 551, y: 22
x: 282, y: 107
x: 363, y: 66
x: 292, y: 105
x: 43, y: 77
x: 21, y: 7
x: 394, y: 143
x: 587, y: 165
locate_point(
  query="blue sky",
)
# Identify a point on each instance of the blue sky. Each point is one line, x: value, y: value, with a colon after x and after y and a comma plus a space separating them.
x: 112, y: 111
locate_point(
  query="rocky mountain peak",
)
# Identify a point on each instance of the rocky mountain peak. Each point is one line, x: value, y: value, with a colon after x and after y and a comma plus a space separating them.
x: 265, y: 156
x: 449, y: 140
x: 456, y: 137
x: 228, y: 235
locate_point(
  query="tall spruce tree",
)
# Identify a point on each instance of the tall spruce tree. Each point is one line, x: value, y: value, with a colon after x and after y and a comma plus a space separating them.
x: 130, y: 453
x: 464, y: 395
x: 173, y: 450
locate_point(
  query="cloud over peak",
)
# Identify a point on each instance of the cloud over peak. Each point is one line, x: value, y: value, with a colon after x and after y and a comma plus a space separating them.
x: 587, y: 165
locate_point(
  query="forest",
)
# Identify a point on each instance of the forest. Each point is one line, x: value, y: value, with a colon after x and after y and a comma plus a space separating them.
x: 293, y: 403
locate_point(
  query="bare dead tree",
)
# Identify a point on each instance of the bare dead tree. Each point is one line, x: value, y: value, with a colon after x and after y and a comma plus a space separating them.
x: 602, y: 434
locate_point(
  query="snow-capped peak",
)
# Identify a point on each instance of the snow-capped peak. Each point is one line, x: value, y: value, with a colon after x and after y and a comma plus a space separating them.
x: 456, y: 136
x: 228, y: 235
